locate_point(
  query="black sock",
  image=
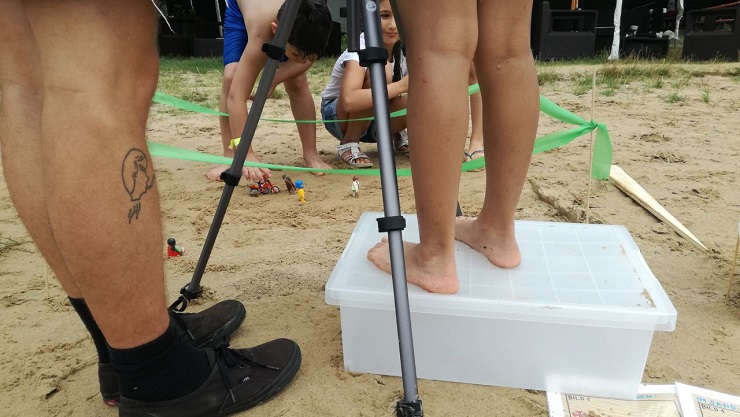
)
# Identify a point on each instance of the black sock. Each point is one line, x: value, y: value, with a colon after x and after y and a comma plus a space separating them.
x: 97, y: 336
x: 164, y: 369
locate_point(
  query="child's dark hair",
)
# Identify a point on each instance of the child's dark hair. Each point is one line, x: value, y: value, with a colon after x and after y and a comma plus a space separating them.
x: 311, y: 29
x: 397, y: 52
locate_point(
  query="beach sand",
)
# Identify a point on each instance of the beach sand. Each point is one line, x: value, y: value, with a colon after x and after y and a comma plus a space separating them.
x: 275, y: 255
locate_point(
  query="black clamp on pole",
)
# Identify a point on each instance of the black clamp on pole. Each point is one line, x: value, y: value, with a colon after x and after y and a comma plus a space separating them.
x: 186, y: 295
x: 409, y: 409
x: 391, y: 224
x: 230, y: 179
x: 373, y: 55
x: 275, y: 52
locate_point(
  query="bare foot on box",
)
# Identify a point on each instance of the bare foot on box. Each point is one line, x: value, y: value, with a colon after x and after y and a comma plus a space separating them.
x: 432, y: 273
x: 500, y: 249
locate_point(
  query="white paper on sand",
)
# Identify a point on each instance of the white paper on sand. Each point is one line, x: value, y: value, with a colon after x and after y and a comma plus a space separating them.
x: 700, y: 402
x: 651, y: 401
x: 678, y: 400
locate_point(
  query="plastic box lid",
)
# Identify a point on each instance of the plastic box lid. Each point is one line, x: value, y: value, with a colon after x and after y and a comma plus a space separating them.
x: 579, y: 274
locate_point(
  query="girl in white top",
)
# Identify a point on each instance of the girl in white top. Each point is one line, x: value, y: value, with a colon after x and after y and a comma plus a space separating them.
x: 348, y: 96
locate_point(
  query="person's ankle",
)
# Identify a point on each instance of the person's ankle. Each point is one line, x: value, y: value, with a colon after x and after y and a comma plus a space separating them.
x: 495, y: 227
x: 166, y: 368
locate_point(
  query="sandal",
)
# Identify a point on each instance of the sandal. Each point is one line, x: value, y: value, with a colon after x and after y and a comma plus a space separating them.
x: 401, y: 141
x: 355, y: 153
x: 469, y: 156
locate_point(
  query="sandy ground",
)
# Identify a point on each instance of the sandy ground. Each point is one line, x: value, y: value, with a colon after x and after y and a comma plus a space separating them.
x: 275, y: 255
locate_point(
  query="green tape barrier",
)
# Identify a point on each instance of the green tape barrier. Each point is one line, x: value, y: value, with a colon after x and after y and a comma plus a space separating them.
x: 601, y: 161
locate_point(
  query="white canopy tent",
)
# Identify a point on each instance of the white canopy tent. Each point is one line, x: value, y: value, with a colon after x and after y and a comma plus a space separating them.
x: 614, y: 55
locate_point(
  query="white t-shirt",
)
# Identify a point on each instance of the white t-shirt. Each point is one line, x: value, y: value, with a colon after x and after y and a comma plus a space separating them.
x: 331, y: 91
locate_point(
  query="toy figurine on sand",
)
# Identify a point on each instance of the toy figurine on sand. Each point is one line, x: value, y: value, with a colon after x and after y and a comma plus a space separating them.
x: 172, y: 248
x: 355, y: 186
x: 289, y: 184
x: 263, y: 187
x: 300, y: 190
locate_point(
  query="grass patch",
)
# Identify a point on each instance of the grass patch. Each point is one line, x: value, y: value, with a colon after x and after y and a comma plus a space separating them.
x: 169, y: 65
x: 674, y: 97
x: 199, y: 79
x: 547, y: 76
x: 319, y: 74
x: 733, y: 73
x: 8, y: 244
x: 656, y: 83
x: 705, y: 95
x: 582, y: 84
x: 681, y: 82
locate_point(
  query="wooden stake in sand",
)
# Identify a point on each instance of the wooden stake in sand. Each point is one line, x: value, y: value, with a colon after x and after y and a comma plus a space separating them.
x: 734, y: 261
x: 46, y: 279
x: 630, y: 187
x: 591, y: 149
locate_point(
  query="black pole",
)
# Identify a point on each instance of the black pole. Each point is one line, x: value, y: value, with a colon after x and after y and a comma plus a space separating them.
x: 375, y: 56
x: 275, y: 51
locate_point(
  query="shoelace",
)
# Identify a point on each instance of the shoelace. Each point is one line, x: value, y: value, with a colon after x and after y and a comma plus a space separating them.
x: 230, y: 359
x: 178, y: 318
x: 180, y: 322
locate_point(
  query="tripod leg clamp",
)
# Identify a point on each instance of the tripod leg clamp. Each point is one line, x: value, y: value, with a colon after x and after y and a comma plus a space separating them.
x: 390, y: 224
x: 273, y: 51
x: 409, y: 409
x: 185, y: 296
x: 229, y: 179
x: 373, y: 55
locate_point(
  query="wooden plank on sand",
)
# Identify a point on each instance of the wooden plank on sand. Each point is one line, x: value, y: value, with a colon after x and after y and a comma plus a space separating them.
x: 734, y: 261
x: 630, y: 187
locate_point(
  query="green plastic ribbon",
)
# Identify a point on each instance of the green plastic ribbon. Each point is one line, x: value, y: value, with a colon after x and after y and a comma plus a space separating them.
x: 601, y: 161
x: 173, y: 152
x: 179, y: 103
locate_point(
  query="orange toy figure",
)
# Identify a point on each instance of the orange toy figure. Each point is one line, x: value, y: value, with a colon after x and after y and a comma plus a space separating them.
x: 301, y: 192
x: 173, y: 250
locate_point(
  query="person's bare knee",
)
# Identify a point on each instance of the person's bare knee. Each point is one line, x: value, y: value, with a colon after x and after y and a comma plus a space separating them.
x: 296, y: 85
x: 505, y: 36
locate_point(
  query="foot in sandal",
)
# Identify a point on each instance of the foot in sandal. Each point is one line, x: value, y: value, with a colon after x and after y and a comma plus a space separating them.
x: 401, y: 142
x: 351, y: 153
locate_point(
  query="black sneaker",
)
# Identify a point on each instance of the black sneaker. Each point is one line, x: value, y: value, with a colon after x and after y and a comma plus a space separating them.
x: 209, y: 327
x: 240, y: 379
x: 206, y: 329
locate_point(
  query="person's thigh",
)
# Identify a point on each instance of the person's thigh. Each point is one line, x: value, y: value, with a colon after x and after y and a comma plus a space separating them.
x: 328, y: 113
x: 19, y: 56
x: 507, y: 28
x: 97, y: 49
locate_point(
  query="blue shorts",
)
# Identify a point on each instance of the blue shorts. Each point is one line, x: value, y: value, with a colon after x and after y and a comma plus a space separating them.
x: 329, y: 112
x: 235, y: 33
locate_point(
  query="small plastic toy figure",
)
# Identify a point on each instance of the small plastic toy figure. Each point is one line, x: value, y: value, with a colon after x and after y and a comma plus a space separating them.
x: 289, y: 184
x: 355, y: 186
x: 172, y: 249
x: 301, y: 192
x: 263, y: 187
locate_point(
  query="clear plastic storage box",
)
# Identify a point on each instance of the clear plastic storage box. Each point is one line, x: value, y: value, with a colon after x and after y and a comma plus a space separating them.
x: 577, y: 316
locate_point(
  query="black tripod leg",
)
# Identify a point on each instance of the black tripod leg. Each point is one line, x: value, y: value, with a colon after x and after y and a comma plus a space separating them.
x: 375, y: 57
x: 275, y: 51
